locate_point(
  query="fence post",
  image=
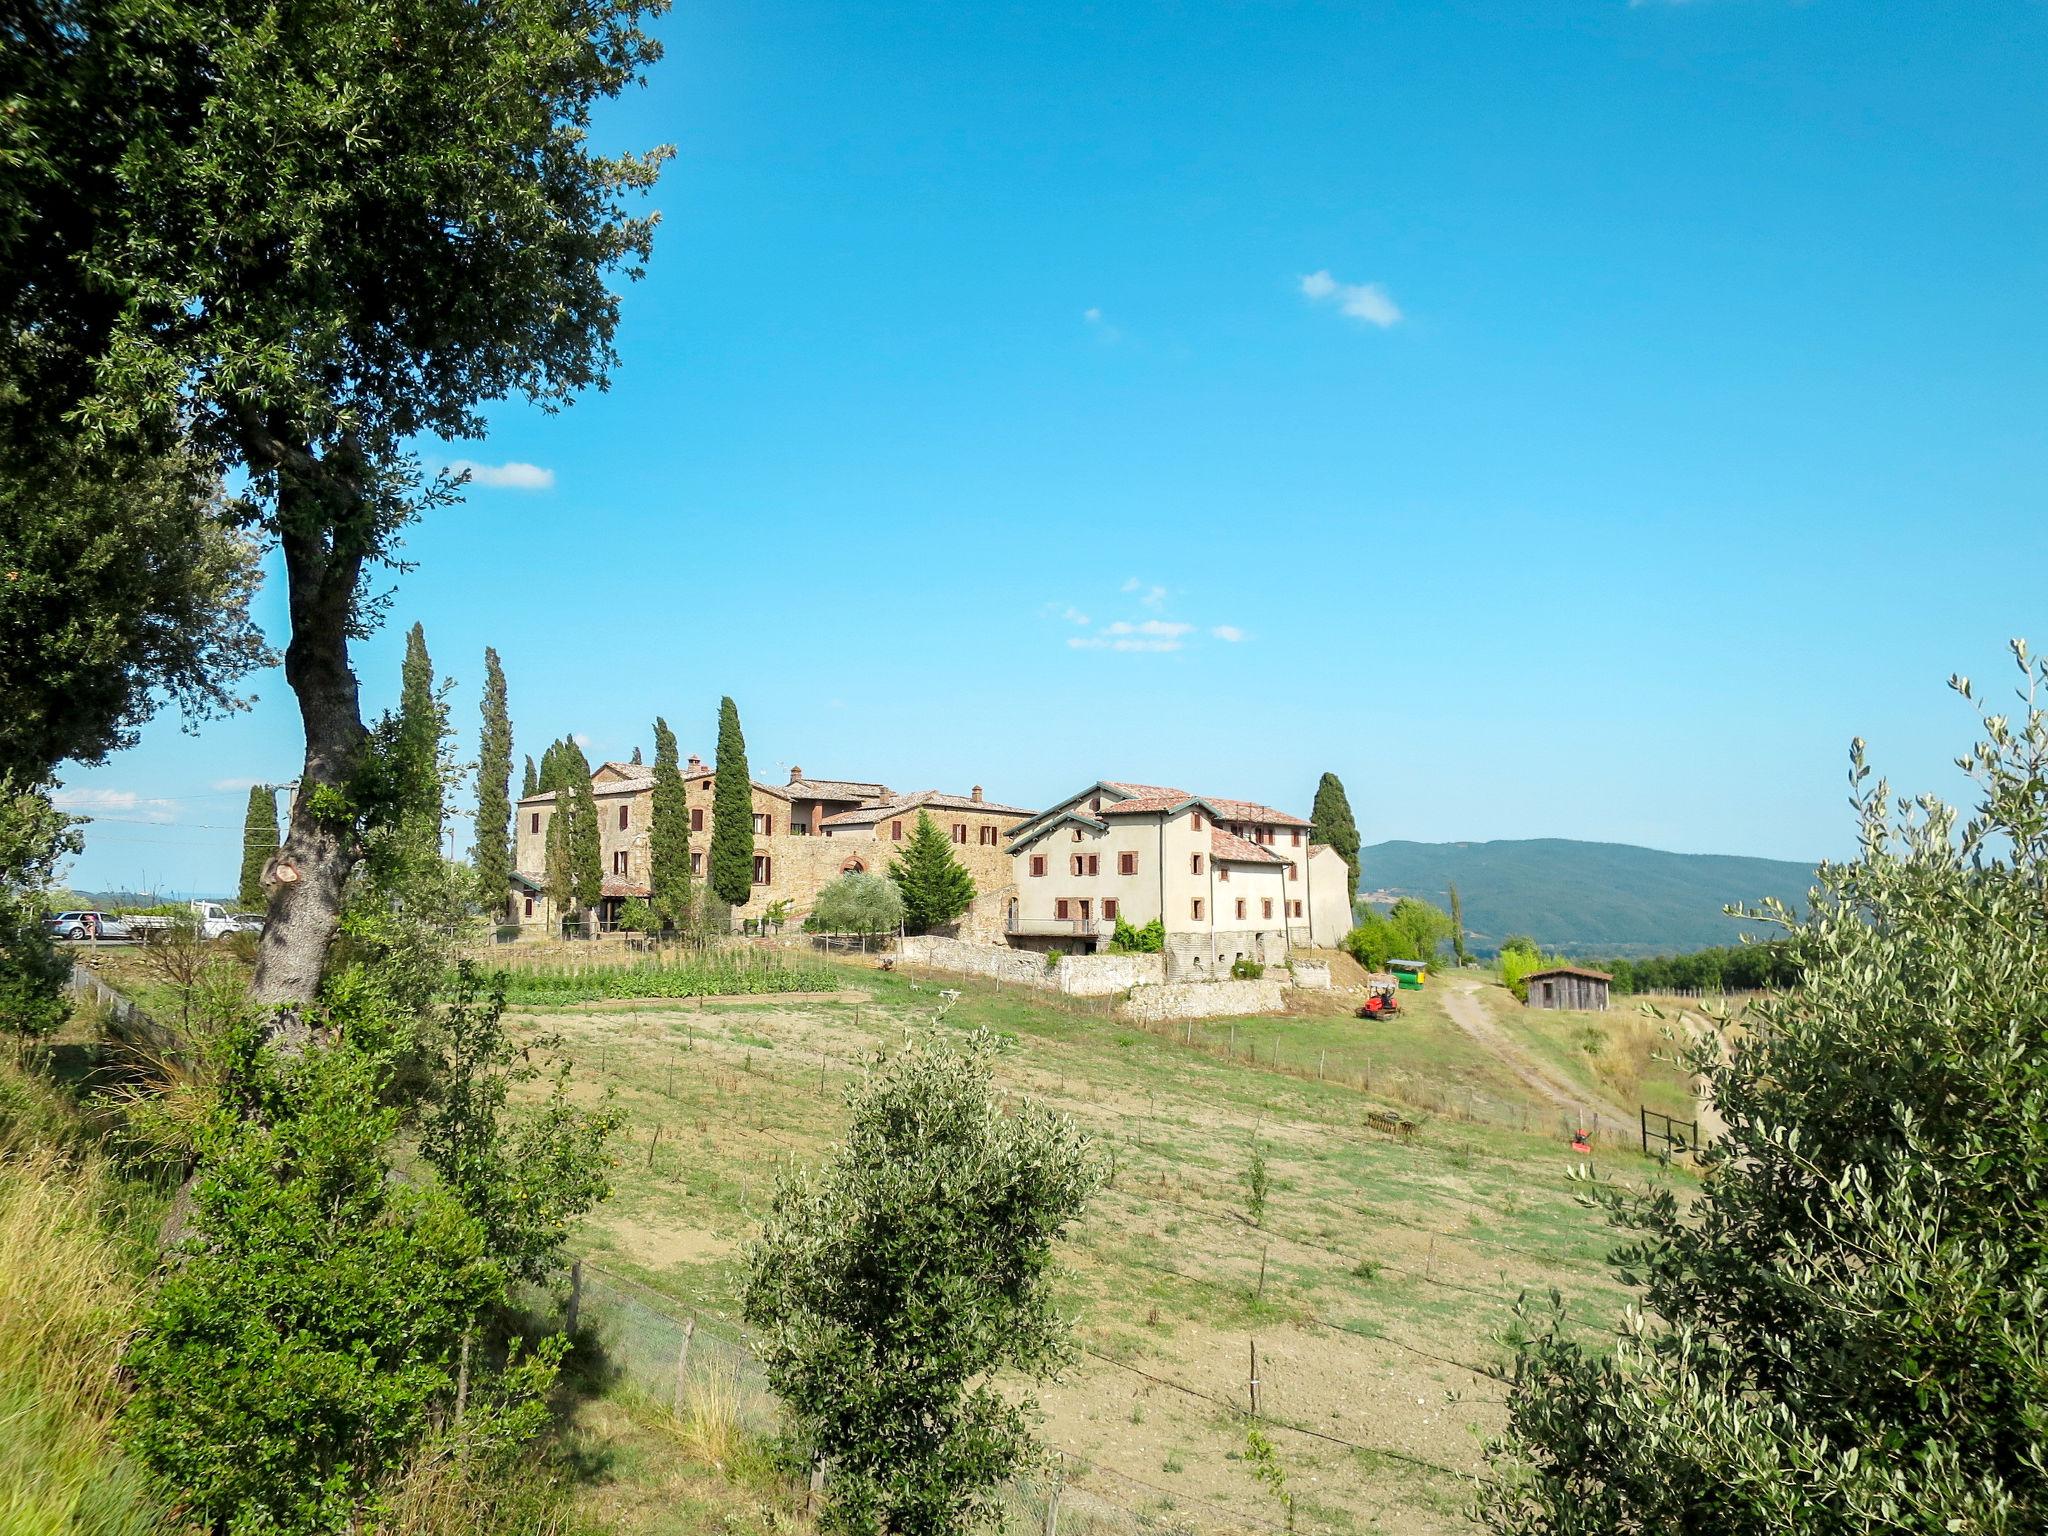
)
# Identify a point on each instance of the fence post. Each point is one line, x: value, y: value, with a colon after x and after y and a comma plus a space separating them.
x: 462, y: 1380
x: 1052, y: 1499
x: 683, y: 1358
x: 1643, y: 1121
x: 575, y: 1296
x: 1255, y: 1378
x: 1262, y: 1271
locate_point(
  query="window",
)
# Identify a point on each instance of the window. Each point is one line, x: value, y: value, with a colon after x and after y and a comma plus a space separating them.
x: 529, y: 906
x: 1197, y: 908
x: 1265, y: 906
x: 853, y: 867
x: 621, y: 862
x: 1222, y: 872
x: 1294, y: 871
x: 1095, y: 804
x: 1094, y: 863
x: 1127, y: 863
x: 1081, y: 907
x: 1294, y: 907
x: 536, y: 821
x: 625, y: 814
x: 1240, y: 908
x: 1038, y: 864
x: 1198, y: 821
x: 988, y: 837
x: 960, y: 833
x: 1078, y: 864
x: 1194, y: 863
x: 1297, y: 837
x: 1109, y: 909
x: 764, y: 824
x: 697, y: 819
x: 1077, y: 834
x: 764, y: 869
x: 895, y: 831
x: 697, y: 865
x: 1059, y: 909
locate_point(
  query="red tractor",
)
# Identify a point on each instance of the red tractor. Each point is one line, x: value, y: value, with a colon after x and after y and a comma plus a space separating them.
x: 1379, y: 1002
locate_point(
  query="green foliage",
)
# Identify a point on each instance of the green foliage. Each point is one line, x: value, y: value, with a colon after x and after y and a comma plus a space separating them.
x: 1246, y: 970
x: 936, y: 886
x: 1457, y: 914
x: 422, y: 727
x: 637, y: 916
x: 1423, y: 927
x: 1732, y: 967
x: 1331, y: 822
x: 493, y: 790
x: 575, y: 849
x: 1148, y: 940
x: 530, y: 784
x: 1374, y: 941
x: 525, y: 1179
x: 1263, y: 1459
x: 259, y: 842
x: 731, y: 863
x: 712, y: 973
x: 1258, y: 1184
x: 890, y: 1286
x: 668, y: 835
x: 303, y: 1343
x: 859, y: 904
x: 34, y: 835
x: 1846, y: 1331
x: 1516, y: 965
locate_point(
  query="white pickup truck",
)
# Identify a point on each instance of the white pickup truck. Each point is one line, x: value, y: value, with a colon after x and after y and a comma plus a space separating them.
x: 212, y: 918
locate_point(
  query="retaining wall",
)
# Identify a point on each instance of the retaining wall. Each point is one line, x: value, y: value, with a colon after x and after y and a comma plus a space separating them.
x: 1202, y: 999
x: 1075, y: 975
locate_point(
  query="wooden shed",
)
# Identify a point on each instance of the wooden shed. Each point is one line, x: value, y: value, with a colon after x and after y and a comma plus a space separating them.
x: 1569, y: 986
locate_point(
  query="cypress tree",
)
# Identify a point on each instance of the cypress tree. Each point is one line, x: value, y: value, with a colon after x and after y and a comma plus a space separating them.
x: 531, y: 784
x: 1457, y: 926
x: 586, y: 847
x: 493, y: 788
x: 936, y: 886
x: 259, y: 842
x: 732, y: 813
x: 416, y: 750
x: 1332, y: 823
x: 668, y: 836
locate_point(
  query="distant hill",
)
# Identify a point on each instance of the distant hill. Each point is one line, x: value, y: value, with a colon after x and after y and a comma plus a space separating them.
x: 1585, y: 898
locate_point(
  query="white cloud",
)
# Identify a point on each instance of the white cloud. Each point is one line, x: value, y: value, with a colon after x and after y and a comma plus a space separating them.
x: 580, y: 739
x: 509, y: 476
x: 1228, y: 632
x: 1092, y: 315
x: 1150, y: 596
x: 1367, y: 302
x: 1074, y: 615
x: 1106, y: 642
x: 107, y: 802
x: 1163, y: 629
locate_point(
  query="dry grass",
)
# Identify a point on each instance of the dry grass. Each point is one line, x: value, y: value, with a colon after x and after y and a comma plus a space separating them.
x: 66, y: 1301
x: 1622, y: 1054
x: 708, y: 1420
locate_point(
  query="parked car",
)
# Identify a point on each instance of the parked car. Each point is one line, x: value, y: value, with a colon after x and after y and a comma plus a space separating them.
x: 86, y: 925
x: 210, y: 917
x: 249, y: 922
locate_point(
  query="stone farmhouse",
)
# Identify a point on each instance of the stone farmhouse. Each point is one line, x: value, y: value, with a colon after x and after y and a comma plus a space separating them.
x: 807, y: 833
x: 1228, y: 879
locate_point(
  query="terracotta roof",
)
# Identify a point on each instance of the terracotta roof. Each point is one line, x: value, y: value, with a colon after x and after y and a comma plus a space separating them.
x: 836, y: 789
x: 1228, y: 845
x: 625, y: 888
x: 1145, y: 791
x: 616, y: 787
x: 776, y: 790
x: 1145, y: 805
x: 1251, y: 810
x: 630, y: 770
x: 924, y: 799
x: 1568, y: 970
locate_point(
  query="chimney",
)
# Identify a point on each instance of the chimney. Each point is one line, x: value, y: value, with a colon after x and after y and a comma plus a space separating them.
x: 975, y: 796
x: 796, y: 774
x: 696, y: 762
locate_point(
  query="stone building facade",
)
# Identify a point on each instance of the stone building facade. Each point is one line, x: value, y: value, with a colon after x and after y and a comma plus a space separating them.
x: 1228, y: 880
x: 807, y: 833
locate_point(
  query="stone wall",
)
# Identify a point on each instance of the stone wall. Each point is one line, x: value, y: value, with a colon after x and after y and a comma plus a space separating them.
x: 1202, y: 999
x: 1075, y: 975
x: 1311, y: 975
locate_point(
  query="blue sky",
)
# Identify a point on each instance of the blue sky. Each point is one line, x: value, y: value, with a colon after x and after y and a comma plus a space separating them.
x: 1570, y: 418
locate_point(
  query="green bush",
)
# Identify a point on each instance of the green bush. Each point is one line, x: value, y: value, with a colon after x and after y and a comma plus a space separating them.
x: 859, y: 904
x: 1846, y: 1330
x: 1148, y: 940
x: 1246, y: 970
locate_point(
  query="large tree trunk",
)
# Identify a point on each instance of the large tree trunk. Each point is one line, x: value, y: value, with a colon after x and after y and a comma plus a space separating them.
x: 307, y: 875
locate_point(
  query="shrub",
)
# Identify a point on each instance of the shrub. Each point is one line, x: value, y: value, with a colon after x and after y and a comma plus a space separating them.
x: 1148, y: 940
x: 891, y: 1286
x: 1845, y: 1330
x: 859, y: 904
x: 1247, y: 970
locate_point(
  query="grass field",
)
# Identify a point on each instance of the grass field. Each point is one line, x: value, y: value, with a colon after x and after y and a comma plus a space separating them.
x: 1377, y: 1291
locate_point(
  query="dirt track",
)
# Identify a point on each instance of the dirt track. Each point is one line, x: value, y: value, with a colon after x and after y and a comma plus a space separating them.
x: 1470, y: 1015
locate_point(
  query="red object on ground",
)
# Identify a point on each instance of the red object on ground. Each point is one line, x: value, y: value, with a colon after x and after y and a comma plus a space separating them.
x: 1580, y: 1143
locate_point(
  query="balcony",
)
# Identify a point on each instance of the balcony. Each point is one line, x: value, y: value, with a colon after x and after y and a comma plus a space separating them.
x: 1059, y: 927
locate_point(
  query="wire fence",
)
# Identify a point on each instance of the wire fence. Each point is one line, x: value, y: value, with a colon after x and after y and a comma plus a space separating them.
x: 683, y: 1358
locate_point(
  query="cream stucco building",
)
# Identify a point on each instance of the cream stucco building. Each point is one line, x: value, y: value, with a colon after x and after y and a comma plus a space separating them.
x: 1227, y: 879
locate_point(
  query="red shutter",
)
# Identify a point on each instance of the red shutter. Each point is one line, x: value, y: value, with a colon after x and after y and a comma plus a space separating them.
x: 1265, y: 906
x: 536, y: 821
x: 896, y: 831
x: 623, y: 810
x: 1198, y: 909
x: 1037, y: 864
x: 697, y: 821
x: 1059, y: 909
x: 1094, y: 863
x: 1240, y: 907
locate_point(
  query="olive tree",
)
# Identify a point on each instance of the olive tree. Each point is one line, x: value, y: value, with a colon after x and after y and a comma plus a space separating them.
x: 891, y: 1285
x: 1848, y: 1330
x: 859, y: 904
x: 331, y: 239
